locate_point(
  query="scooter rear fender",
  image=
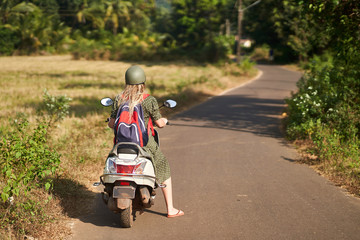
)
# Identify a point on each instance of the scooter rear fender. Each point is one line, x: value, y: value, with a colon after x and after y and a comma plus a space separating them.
x: 123, y: 203
x: 124, y: 192
x: 123, y: 195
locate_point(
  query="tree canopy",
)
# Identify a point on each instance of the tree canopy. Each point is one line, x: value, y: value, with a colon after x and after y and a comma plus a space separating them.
x: 203, y: 29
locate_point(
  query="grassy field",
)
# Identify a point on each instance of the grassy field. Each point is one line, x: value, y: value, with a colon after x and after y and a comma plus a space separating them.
x: 82, y: 138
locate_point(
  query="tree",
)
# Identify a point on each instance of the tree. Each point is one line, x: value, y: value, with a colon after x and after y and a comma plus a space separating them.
x: 197, y: 27
x: 325, y: 109
x: 298, y: 29
x: 93, y: 12
x: 34, y: 29
x: 27, y: 21
x: 5, y: 8
x: 116, y: 10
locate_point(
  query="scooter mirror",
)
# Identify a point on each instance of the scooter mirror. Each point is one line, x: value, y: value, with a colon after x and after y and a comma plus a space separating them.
x: 106, y: 102
x: 170, y: 103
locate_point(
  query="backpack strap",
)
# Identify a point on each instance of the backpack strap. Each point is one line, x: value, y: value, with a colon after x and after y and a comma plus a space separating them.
x: 150, y: 126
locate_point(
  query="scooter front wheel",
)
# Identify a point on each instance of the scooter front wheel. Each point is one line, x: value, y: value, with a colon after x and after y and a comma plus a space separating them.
x: 126, y: 217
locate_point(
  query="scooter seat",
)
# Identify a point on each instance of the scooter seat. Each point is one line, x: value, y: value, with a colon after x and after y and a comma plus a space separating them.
x: 127, y: 149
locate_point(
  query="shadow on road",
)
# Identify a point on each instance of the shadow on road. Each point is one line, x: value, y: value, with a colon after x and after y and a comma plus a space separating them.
x: 103, y: 217
x: 237, y: 113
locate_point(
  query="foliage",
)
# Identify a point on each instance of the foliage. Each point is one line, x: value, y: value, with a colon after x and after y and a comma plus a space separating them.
x: 193, y: 29
x: 125, y: 46
x: 26, y: 160
x: 260, y: 25
x: 246, y: 66
x: 197, y: 23
x: 261, y: 53
x: 28, y: 164
x: 8, y: 41
x: 56, y: 107
x: 34, y: 30
x: 298, y: 29
x: 216, y: 50
x: 326, y: 107
x: 165, y: 29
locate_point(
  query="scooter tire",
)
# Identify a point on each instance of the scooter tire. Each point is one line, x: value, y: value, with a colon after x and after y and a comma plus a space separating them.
x: 126, y: 217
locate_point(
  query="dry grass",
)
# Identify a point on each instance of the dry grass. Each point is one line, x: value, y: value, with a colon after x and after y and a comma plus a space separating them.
x: 83, y: 138
x: 340, y: 179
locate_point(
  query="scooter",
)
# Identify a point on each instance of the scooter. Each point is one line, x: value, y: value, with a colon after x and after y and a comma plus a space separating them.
x: 129, y: 177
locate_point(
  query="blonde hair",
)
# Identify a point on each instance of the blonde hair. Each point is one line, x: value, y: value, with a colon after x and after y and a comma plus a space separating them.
x: 133, y: 94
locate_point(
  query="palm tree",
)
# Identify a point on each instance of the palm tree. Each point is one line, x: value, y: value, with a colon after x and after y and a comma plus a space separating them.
x: 115, y: 10
x: 93, y: 13
x: 5, y: 8
x: 26, y: 20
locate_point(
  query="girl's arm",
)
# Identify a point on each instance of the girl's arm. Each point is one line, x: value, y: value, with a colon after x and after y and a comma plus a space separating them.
x: 161, y: 122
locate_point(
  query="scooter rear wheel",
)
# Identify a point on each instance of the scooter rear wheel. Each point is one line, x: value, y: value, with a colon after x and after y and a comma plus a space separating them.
x: 126, y: 217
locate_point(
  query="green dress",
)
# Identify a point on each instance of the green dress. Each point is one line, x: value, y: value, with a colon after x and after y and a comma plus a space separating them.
x: 151, y: 110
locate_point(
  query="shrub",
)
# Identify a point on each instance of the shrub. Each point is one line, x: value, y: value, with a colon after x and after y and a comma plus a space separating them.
x: 261, y: 53
x: 124, y: 46
x: 54, y: 108
x: 8, y: 41
x: 246, y: 66
x: 28, y: 164
x: 26, y: 161
x: 218, y: 49
x: 326, y: 110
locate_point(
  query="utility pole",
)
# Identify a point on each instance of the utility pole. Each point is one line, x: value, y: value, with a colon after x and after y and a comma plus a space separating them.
x: 240, y: 15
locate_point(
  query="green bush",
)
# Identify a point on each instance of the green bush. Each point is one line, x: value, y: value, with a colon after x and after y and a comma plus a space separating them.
x: 146, y: 46
x: 215, y: 50
x: 326, y: 110
x: 55, y: 108
x: 327, y: 92
x: 26, y: 159
x: 8, y: 41
x: 28, y: 164
x: 260, y: 53
x: 246, y: 66
x: 124, y: 46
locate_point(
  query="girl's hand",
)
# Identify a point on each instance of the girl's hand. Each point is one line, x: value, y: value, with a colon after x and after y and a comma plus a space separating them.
x: 161, y: 122
x: 111, y: 122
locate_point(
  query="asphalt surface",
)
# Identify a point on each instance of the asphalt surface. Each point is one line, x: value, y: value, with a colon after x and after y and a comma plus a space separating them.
x: 235, y: 177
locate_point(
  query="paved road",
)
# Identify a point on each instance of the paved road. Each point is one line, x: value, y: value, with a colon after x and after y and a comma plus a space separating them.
x: 236, y: 178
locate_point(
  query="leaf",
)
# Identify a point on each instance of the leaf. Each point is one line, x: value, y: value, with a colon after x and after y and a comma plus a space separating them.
x: 47, y: 186
x: 8, y: 173
x: 6, y: 189
x: 4, y: 196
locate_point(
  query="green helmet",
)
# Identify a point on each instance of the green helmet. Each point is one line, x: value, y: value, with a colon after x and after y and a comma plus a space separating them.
x: 135, y: 75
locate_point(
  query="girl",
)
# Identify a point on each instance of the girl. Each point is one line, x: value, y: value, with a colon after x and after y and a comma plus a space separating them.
x: 134, y: 94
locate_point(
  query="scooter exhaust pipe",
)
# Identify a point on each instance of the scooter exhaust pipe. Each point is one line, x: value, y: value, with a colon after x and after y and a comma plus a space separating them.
x: 145, y: 197
x: 105, y: 197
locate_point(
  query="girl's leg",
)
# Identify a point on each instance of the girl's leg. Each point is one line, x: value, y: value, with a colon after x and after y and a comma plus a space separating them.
x: 167, y: 191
